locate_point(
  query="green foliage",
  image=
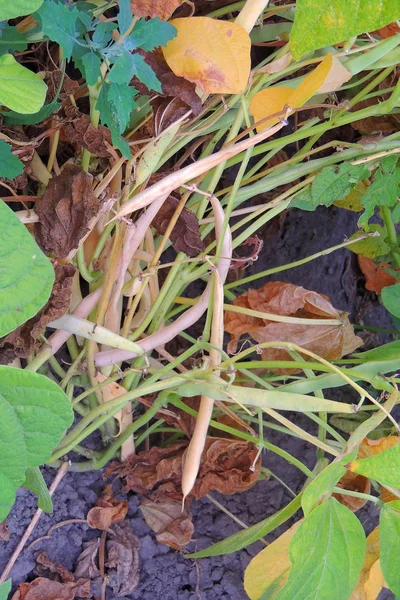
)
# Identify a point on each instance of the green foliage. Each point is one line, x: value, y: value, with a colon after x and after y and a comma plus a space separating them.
x: 10, y: 165
x: 5, y: 589
x: 11, y: 40
x: 115, y: 104
x: 20, y: 89
x: 330, y: 184
x: 320, y: 23
x: 34, y: 482
x: 10, y: 9
x: 327, y: 553
x: 372, y: 247
x: 383, y: 467
x: 383, y: 191
x: 26, y: 274
x: 391, y: 299
x: 60, y: 24
x: 389, y: 521
x: 34, y: 413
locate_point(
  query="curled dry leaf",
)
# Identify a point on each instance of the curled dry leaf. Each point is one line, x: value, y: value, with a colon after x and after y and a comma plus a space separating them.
x: 107, y: 511
x: 185, y: 236
x: 180, y: 419
x: 23, y: 340
x: 123, y: 559
x: 354, y: 483
x: 45, y: 589
x: 86, y: 566
x: 286, y: 299
x: 79, y: 130
x: 162, y: 9
x: 48, y: 568
x: 172, y: 525
x: 65, y: 210
x: 53, y: 80
x: 376, y: 278
x: 215, y: 55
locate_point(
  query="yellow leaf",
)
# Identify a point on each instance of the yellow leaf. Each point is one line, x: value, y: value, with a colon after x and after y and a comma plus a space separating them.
x: 270, y: 568
x: 369, y: 580
x: 328, y: 76
x: 213, y: 54
x: 353, y: 199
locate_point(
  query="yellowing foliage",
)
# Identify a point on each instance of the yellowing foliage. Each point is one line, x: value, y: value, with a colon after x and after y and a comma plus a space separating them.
x: 213, y: 54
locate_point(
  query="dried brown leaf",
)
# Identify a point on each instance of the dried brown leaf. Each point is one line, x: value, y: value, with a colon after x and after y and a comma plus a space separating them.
x: 354, y: 483
x: 387, y: 31
x: 53, y: 80
x: 328, y: 341
x: 107, y: 511
x: 23, y: 340
x: 173, y: 526
x: 78, y: 129
x: 86, y: 566
x: 65, y: 210
x: 180, y: 418
x: 185, y: 236
x: 51, y: 570
x: 376, y: 278
x: 123, y: 559
x: 4, y: 531
x: 45, y: 589
x: 162, y: 9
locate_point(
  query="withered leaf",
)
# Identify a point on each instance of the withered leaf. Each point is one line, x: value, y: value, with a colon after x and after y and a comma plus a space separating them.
x: 23, y: 340
x: 108, y: 510
x: 45, y: 589
x: 123, y: 559
x: 354, y: 483
x: 79, y: 130
x: 173, y: 526
x: 4, y: 531
x: 86, y: 566
x: 387, y: 31
x: 180, y: 418
x: 376, y: 278
x: 65, y: 210
x: 162, y: 9
x: 328, y: 341
x: 185, y: 236
x: 48, y: 568
x: 53, y: 80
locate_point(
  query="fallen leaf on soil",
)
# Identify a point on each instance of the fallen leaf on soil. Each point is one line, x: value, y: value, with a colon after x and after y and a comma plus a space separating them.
x: 213, y: 54
x: 4, y: 532
x: 270, y: 568
x: 368, y: 585
x: 376, y: 278
x: 172, y: 525
x: 328, y: 76
x: 107, y: 511
x: 185, y: 236
x: 328, y: 341
x: 123, y: 559
x: 387, y: 31
x: 86, y: 566
x: 354, y: 483
x: 23, y: 340
x: 44, y: 589
x: 79, y: 130
x: 65, y: 210
x: 51, y: 570
x: 226, y: 466
x: 162, y: 9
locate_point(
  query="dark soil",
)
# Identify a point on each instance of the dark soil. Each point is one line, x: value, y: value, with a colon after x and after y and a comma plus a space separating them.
x: 164, y: 573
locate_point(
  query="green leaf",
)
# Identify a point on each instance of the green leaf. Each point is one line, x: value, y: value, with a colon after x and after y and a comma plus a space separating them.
x: 129, y: 65
x: 391, y: 299
x: 382, y: 192
x: 26, y: 274
x: 371, y: 247
x: 91, y: 64
x: 10, y: 165
x: 20, y: 89
x: 115, y: 104
x: 150, y: 34
x: 322, y: 486
x: 383, y: 467
x: 5, y: 589
x: 327, y: 553
x: 10, y: 9
x: 59, y: 24
x: 124, y: 15
x: 389, y: 533
x: 34, y: 413
x: 250, y: 535
x: 385, y: 352
x: 321, y: 23
x: 11, y: 39
x: 103, y: 34
x: 14, y: 118
x: 34, y: 482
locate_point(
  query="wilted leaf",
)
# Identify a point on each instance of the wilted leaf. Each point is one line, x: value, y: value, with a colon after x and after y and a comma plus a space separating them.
x: 354, y: 483
x: 172, y: 525
x: 64, y: 211
x: 213, y: 54
x: 328, y: 341
x: 162, y: 9
x: 107, y: 511
x: 4, y: 531
x: 123, y: 559
x: 368, y: 585
x: 328, y: 76
x: 86, y: 566
x: 48, y: 568
x: 45, y: 589
x: 353, y: 199
x: 79, y: 130
x: 185, y: 236
x: 268, y: 571
x: 277, y: 65
x: 376, y: 278
x: 387, y: 31
x: 53, y: 80
x: 23, y: 340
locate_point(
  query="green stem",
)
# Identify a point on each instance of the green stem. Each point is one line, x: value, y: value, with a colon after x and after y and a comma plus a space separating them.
x: 392, y: 233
